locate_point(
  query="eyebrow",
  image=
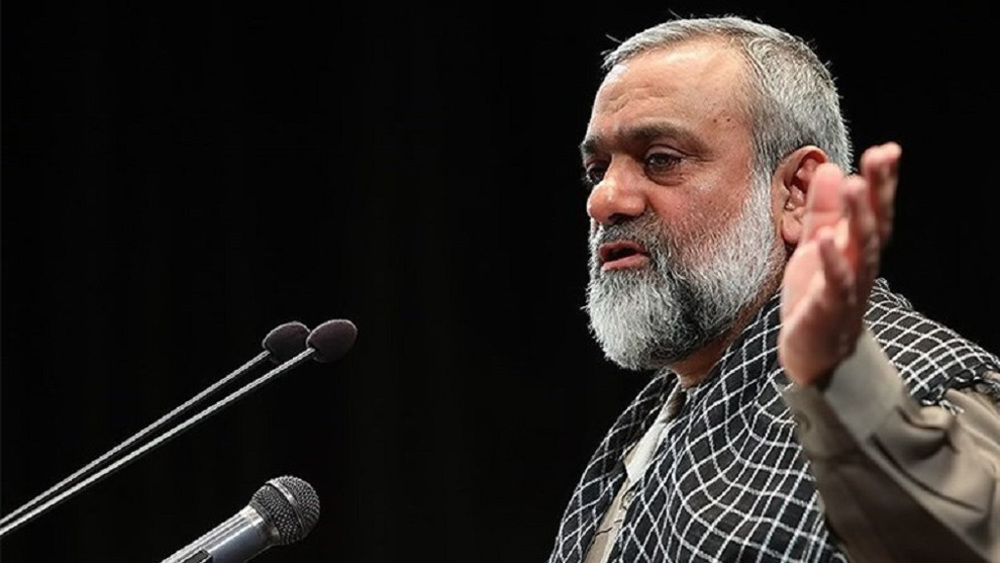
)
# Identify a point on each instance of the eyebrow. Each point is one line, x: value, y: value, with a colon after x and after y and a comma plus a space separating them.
x: 643, y: 133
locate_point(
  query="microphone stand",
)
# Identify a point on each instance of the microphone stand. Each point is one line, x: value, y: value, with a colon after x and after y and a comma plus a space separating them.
x: 159, y: 440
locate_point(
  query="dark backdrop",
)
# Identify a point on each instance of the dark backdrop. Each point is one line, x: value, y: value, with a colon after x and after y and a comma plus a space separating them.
x: 178, y: 180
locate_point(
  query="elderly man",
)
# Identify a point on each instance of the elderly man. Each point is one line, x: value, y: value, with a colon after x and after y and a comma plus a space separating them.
x: 799, y: 410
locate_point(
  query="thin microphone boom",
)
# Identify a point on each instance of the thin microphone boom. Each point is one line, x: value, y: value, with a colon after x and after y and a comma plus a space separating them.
x: 326, y: 343
x: 278, y: 344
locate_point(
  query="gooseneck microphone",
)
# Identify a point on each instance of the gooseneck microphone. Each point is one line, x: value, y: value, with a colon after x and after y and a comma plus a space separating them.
x: 284, y: 341
x: 330, y: 341
x: 281, y: 512
x: 281, y: 343
x: 325, y: 343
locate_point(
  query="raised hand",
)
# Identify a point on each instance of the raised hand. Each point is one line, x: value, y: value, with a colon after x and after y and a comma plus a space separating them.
x: 830, y: 275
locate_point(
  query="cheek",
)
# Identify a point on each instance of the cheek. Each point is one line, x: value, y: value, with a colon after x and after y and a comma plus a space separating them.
x: 687, y: 215
x: 683, y: 225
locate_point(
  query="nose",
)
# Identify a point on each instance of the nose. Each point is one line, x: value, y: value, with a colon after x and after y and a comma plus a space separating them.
x: 617, y: 196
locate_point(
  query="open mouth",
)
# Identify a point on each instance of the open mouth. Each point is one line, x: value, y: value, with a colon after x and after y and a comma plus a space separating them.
x: 622, y: 254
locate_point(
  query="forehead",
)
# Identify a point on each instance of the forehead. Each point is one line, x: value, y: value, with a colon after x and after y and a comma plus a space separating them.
x: 696, y: 84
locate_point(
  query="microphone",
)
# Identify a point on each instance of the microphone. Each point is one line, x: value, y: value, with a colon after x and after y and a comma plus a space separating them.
x: 331, y: 340
x: 281, y: 512
x: 283, y: 341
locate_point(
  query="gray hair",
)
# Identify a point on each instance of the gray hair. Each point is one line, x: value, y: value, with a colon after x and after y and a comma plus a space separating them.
x: 792, y: 99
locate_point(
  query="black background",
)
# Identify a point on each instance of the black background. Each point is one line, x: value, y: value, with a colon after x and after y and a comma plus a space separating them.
x: 178, y: 180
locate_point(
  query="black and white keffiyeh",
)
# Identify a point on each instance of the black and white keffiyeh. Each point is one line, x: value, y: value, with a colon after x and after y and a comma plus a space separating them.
x: 729, y: 481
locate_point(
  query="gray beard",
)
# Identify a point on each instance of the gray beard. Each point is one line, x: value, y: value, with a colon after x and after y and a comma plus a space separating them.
x: 651, y: 317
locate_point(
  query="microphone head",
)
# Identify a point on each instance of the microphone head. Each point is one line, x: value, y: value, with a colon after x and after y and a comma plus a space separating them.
x: 332, y: 339
x: 286, y: 341
x: 290, y: 505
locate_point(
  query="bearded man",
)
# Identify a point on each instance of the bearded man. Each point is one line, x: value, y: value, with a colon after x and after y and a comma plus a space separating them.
x: 798, y: 410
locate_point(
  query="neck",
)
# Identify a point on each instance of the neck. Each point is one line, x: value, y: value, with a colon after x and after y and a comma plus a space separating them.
x: 694, y: 368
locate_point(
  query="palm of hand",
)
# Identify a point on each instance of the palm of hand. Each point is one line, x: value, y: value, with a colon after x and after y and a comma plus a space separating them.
x: 830, y: 275
x: 820, y: 318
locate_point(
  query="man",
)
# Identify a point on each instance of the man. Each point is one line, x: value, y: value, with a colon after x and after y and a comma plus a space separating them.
x: 799, y: 410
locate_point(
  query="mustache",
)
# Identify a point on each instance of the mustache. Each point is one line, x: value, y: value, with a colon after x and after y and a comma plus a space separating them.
x: 646, y: 230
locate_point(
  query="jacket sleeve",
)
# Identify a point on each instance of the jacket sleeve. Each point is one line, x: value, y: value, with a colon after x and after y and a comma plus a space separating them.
x: 899, y: 481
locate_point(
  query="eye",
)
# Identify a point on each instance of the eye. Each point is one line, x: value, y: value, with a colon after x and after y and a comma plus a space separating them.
x: 593, y: 174
x: 659, y: 163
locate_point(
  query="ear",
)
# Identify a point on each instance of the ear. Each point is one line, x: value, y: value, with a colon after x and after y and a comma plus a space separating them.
x: 791, y: 184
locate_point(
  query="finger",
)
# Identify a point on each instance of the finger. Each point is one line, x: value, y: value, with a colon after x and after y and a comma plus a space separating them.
x: 865, y: 246
x: 824, y: 200
x: 863, y: 220
x: 836, y: 269
x: 880, y: 166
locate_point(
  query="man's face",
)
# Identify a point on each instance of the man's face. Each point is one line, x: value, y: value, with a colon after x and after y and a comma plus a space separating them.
x: 681, y: 239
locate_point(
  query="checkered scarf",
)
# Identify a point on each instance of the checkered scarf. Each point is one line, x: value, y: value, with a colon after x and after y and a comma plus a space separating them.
x: 729, y: 481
